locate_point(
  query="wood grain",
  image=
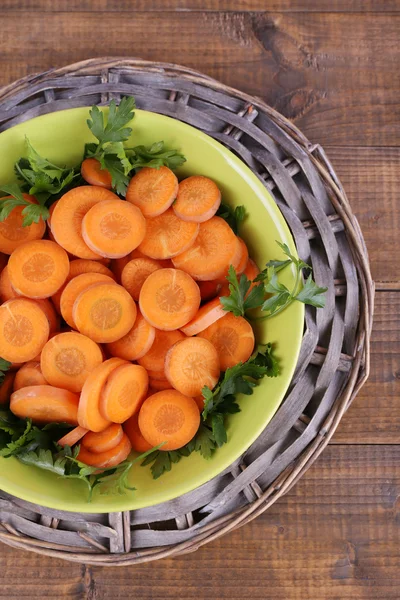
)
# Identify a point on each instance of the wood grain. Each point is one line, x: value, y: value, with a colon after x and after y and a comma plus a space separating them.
x: 335, y: 74
x: 335, y: 536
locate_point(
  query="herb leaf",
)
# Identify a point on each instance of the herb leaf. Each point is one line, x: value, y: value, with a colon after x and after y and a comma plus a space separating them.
x: 4, y: 367
x: 116, y: 129
x: 312, y: 294
x: 240, y: 300
x: 234, y: 217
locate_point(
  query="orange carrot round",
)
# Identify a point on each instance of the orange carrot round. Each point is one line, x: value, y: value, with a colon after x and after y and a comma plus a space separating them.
x: 124, y: 392
x: 167, y: 235
x: 215, y: 248
x: 45, y: 404
x: 169, y: 417
x: 38, y: 269
x: 206, y: 315
x: 233, y: 338
x: 136, y: 343
x: 157, y: 385
x: 13, y: 233
x: 153, y: 190
x: 105, y: 312
x: 93, y: 173
x: 251, y: 271
x: 68, y: 359
x: 169, y: 299
x: 29, y: 374
x: 7, y: 291
x: 192, y: 364
x: 66, y: 220
x: 108, y: 459
x: 3, y: 261
x: 24, y: 330
x: 136, y: 272
x: 131, y: 428
x: 113, y: 228
x: 89, y: 415
x: 154, y: 360
x: 6, y: 387
x: 78, y: 266
x: 198, y: 199
x: 51, y: 210
x: 74, y: 288
x: 50, y: 312
x: 103, y: 440
x: 200, y: 402
x: 209, y: 289
x: 244, y: 257
x: 72, y: 437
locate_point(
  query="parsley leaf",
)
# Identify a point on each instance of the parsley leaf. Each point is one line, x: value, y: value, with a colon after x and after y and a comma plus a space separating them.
x: 115, y: 130
x: 312, y: 294
x: 234, y: 217
x: 162, y: 461
x: 4, y: 367
x: 155, y: 156
x: 239, y: 301
x: 265, y: 357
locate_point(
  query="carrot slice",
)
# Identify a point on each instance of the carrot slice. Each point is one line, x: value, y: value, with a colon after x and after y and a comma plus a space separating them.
x: 45, y: 404
x: 206, y: 315
x: 89, y: 415
x: 108, y: 459
x: 169, y: 417
x: 157, y: 385
x: 233, y: 338
x: 24, y: 330
x: 136, y: 343
x: 198, y: 199
x: 3, y: 261
x: 12, y: 232
x: 200, y: 402
x: 154, y: 360
x: 191, y: 364
x: 51, y: 210
x: 29, y: 374
x: 6, y: 387
x: 153, y: 190
x: 105, y: 312
x: 68, y: 359
x: 74, y: 288
x: 50, y: 312
x: 72, y: 437
x: 244, y: 257
x: 66, y: 220
x: 124, y: 392
x: 136, y: 272
x: 156, y: 375
x: 103, y: 440
x: 209, y: 289
x: 38, y: 269
x: 93, y: 173
x: 169, y: 299
x: 251, y: 271
x: 167, y: 235
x: 7, y: 291
x: 215, y: 248
x: 113, y: 228
x: 131, y: 428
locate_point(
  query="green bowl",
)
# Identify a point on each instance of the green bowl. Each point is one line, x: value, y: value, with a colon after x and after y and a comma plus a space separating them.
x: 60, y: 137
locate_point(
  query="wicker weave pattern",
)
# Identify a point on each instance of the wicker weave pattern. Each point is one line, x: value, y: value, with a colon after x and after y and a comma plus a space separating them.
x: 334, y: 358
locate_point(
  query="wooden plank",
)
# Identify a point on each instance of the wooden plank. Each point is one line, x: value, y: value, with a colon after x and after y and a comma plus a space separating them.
x: 335, y: 74
x: 335, y: 536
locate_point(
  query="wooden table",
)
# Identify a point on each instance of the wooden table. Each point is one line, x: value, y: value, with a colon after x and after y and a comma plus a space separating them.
x: 333, y: 67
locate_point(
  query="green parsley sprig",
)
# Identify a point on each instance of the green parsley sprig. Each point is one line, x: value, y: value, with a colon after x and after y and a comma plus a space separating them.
x: 234, y: 217
x: 4, y: 367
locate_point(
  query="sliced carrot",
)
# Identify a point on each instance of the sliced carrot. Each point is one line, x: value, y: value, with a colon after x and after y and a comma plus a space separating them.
x: 156, y: 375
x: 72, y: 437
x: 38, y: 269
x: 251, y: 271
x: 169, y: 417
x: 13, y: 233
x: 198, y: 199
x: 154, y: 360
x: 157, y: 385
x: 206, y: 315
x: 244, y: 257
x: 6, y: 387
x: 51, y: 335
x: 81, y: 265
x: 93, y: 173
x: 3, y: 261
x: 209, y: 289
x: 29, y: 374
x: 136, y: 343
x: 153, y: 190
x: 167, y: 235
x: 136, y: 272
x: 24, y: 330
x: 103, y: 440
x: 200, y: 402
x: 7, y: 291
x: 117, y: 266
x: 113, y: 228
x: 66, y: 220
x: 169, y: 299
x: 233, y: 338
x: 192, y: 364
x: 45, y: 404
x: 105, y: 312
x: 108, y: 459
x: 68, y: 359
x: 89, y: 415
x: 131, y: 428
x: 74, y: 288
x: 124, y: 392
x: 215, y: 248
x: 51, y: 210
x: 50, y: 312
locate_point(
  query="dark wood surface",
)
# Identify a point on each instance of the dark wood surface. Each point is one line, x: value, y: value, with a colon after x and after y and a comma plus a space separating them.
x: 333, y: 67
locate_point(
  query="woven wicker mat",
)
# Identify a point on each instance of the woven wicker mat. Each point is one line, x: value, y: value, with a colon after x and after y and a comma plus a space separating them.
x: 334, y: 357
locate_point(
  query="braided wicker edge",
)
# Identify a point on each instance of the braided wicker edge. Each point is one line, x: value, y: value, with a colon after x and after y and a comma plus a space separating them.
x: 359, y: 369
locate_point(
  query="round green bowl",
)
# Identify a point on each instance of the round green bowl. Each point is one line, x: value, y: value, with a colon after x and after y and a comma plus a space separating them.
x: 60, y: 137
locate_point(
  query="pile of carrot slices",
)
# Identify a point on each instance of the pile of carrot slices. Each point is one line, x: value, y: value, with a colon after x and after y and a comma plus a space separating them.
x: 110, y: 311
